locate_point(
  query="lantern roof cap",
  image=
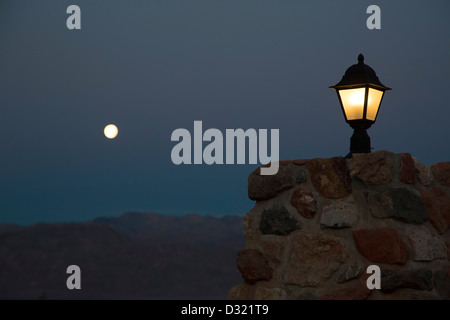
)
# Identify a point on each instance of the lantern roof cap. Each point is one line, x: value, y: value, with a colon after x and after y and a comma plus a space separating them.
x: 360, y: 74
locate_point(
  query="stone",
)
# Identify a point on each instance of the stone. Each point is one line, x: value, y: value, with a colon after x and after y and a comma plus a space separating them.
x: 407, y: 172
x: 253, y: 265
x: 380, y: 204
x: 354, y: 291
x: 419, y: 279
x: 277, y: 220
x: 448, y: 251
x: 339, y: 214
x: 376, y: 168
x: 426, y: 247
x: 242, y: 291
x: 267, y: 293
x: 407, y: 294
x: 281, y: 163
x: 307, y: 296
x: 441, y: 171
x: 397, y: 203
x: 423, y: 172
x: 382, y: 245
x: 442, y: 282
x: 300, y: 161
x: 304, y: 202
x: 273, y: 250
x: 314, y: 257
x: 421, y: 296
x: 301, y: 176
x: 251, y: 224
x: 407, y: 206
x: 330, y: 177
x: 353, y: 270
x: 266, y: 187
x: 437, y: 203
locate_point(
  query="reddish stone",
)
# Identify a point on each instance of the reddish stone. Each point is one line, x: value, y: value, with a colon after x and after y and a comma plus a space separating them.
x: 284, y: 162
x: 355, y: 291
x: 374, y: 168
x: 300, y: 161
x: 314, y: 258
x: 266, y: 187
x: 383, y: 245
x: 274, y: 249
x: 330, y: 177
x: 437, y: 203
x: 304, y: 202
x: 441, y: 172
x: 407, y: 172
x: 253, y: 265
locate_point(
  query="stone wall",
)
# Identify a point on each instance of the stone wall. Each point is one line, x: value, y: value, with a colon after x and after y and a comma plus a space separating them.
x: 318, y: 224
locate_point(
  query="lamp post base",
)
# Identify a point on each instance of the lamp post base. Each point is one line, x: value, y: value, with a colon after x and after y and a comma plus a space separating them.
x: 359, y: 142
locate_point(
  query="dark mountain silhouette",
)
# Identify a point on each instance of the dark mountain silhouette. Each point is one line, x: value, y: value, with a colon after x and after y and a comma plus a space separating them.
x: 134, y: 256
x: 4, y: 227
x: 192, y: 228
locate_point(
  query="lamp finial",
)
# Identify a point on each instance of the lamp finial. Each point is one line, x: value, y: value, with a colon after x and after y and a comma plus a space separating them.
x: 361, y: 58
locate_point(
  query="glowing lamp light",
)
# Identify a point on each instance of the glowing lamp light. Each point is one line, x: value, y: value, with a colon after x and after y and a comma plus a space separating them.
x: 360, y: 93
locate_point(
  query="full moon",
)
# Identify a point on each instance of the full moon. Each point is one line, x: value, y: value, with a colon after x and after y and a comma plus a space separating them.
x: 111, y: 131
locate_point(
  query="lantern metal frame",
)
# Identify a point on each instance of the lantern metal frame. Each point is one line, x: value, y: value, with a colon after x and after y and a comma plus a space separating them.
x: 360, y: 76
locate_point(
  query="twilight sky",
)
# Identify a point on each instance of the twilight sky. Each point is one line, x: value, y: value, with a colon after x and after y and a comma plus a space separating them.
x: 151, y: 67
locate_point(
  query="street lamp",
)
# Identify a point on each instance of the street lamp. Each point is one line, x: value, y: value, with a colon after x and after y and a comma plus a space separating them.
x: 360, y: 93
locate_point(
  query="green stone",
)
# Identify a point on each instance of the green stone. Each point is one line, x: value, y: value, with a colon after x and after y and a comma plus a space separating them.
x: 277, y: 220
x: 407, y: 206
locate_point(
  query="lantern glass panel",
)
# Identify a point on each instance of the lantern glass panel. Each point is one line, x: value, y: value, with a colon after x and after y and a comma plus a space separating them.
x: 353, y: 103
x: 373, y: 103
